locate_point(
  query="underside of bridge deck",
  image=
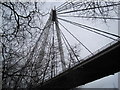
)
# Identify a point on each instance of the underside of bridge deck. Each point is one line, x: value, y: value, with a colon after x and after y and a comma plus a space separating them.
x: 100, y: 65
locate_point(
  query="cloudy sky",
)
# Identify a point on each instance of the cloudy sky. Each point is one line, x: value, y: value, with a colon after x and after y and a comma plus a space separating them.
x: 90, y: 40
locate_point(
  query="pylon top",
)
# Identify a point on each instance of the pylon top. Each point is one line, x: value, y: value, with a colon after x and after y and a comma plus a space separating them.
x: 53, y: 15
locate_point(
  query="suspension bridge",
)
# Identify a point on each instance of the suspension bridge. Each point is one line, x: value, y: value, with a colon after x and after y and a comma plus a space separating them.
x: 46, y: 65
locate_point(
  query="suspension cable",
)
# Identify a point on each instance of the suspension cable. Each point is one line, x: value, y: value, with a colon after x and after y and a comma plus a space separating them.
x: 53, y: 54
x: 65, y: 39
x: 68, y: 49
x: 76, y: 38
x: 90, y: 17
x: 71, y: 5
x: 64, y: 4
x: 89, y: 28
x: 89, y: 8
x: 46, y: 66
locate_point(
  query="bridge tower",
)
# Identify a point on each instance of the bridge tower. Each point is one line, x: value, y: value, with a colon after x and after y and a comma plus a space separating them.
x: 55, y: 20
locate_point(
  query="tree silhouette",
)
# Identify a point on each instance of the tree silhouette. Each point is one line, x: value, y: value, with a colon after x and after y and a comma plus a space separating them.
x: 29, y: 50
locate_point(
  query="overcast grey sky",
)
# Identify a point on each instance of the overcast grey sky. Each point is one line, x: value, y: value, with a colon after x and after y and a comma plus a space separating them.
x: 91, y: 40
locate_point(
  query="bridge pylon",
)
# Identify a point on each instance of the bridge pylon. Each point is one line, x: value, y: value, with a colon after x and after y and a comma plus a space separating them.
x: 55, y: 20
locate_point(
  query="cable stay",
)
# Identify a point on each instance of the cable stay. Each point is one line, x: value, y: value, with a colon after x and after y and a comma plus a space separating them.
x: 65, y: 39
x: 67, y: 46
x: 74, y: 5
x: 113, y: 18
x: 89, y: 28
x: 89, y: 8
x: 64, y: 5
x: 76, y: 38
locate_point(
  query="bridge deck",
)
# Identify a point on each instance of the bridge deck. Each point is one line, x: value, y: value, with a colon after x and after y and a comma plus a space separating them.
x: 100, y: 65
